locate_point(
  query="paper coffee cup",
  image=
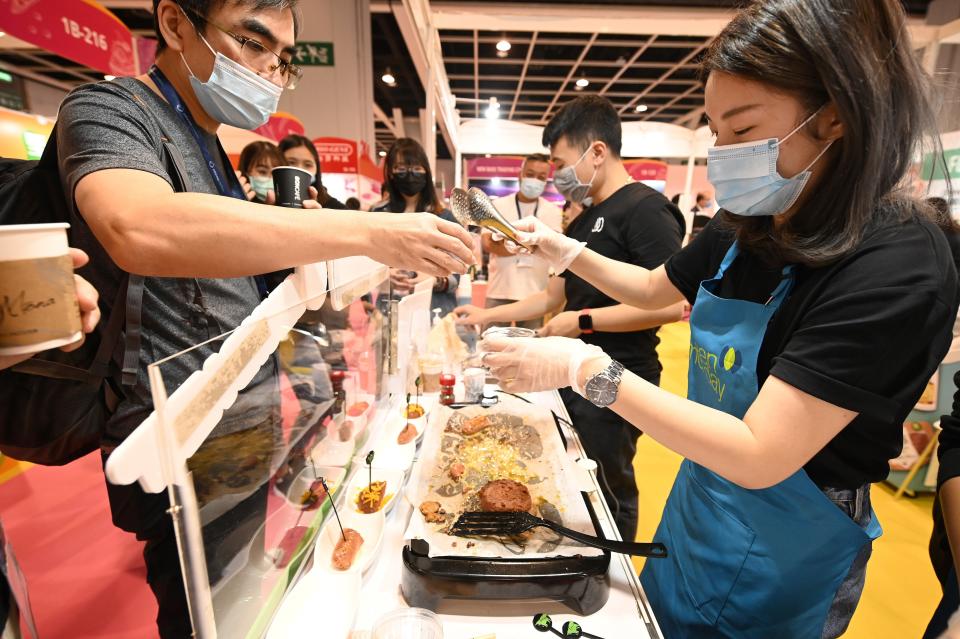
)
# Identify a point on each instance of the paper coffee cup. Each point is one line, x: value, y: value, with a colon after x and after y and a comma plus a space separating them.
x: 291, y: 186
x: 38, y: 297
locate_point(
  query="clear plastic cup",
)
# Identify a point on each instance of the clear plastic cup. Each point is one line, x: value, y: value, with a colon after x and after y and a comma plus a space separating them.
x: 431, y: 367
x: 473, y: 380
x: 408, y: 623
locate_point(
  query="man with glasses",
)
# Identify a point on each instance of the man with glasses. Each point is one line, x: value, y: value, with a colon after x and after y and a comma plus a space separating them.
x: 218, y: 62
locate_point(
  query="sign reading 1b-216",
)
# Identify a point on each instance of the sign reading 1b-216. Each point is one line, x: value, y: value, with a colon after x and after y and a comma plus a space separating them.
x: 314, y: 54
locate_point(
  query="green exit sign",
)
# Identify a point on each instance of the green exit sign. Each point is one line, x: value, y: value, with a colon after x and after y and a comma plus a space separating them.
x: 314, y: 54
x: 936, y: 166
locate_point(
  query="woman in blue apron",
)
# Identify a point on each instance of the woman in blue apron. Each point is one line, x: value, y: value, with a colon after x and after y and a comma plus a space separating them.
x: 823, y: 299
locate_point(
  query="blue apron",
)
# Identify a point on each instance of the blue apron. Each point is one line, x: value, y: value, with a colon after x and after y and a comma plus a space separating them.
x: 744, y: 563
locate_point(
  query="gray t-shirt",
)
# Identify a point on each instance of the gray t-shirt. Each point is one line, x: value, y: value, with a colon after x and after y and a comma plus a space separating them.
x: 102, y: 126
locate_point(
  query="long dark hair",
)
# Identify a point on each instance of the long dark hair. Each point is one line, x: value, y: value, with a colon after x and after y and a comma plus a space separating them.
x: 294, y: 141
x: 942, y: 215
x: 408, y: 151
x: 856, y: 54
x: 253, y: 152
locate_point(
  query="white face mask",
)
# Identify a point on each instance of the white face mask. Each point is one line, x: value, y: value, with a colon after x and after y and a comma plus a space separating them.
x: 746, y: 180
x: 532, y: 188
x: 234, y: 94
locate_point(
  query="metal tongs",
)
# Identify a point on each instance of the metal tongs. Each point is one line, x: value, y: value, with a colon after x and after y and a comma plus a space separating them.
x: 487, y: 524
x: 474, y: 208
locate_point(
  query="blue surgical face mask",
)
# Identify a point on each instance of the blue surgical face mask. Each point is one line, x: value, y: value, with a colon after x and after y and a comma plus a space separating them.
x: 746, y: 180
x: 532, y: 188
x: 234, y: 94
x: 261, y: 185
x: 569, y: 185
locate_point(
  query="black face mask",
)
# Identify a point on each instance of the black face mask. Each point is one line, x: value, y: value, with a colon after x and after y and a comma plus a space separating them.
x: 409, y: 183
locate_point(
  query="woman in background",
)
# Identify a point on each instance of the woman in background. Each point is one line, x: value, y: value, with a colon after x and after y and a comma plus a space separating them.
x: 410, y: 187
x: 300, y: 152
x: 257, y: 160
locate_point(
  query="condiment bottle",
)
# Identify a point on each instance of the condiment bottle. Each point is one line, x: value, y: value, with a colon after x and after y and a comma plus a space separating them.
x: 447, y: 382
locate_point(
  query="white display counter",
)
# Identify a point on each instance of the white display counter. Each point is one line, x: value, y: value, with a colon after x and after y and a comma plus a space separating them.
x: 625, y: 614
x: 245, y: 425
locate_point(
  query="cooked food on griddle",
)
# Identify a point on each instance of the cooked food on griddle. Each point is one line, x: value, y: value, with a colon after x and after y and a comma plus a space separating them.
x: 407, y: 435
x: 433, y: 512
x: 474, y: 425
x: 370, y: 499
x: 456, y: 471
x: 345, y: 552
x: 505, y: 495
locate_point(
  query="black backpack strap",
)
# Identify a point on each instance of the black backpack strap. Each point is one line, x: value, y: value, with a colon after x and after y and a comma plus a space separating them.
x: 56, y: 370
x: 133, y: 306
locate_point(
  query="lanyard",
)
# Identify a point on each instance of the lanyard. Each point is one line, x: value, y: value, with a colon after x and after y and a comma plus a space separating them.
x: 226, y: 187
x: 516, y: 200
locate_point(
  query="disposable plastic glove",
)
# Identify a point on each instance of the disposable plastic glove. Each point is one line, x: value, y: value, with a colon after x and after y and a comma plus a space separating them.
x: 537, y: 363
x: 953, y: 627
x: 558, y: 250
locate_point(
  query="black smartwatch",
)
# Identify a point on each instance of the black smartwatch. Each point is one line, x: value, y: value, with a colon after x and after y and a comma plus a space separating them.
x: 586, y: 322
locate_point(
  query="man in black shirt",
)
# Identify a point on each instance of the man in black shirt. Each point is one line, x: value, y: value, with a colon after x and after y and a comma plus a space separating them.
x: 629, y: 222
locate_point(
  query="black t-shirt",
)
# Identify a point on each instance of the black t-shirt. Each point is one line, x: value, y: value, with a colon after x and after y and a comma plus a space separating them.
x: 635, y: 225
x: 864, y: 333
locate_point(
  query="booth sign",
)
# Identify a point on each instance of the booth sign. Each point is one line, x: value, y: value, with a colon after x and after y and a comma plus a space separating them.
x: 82, y: 31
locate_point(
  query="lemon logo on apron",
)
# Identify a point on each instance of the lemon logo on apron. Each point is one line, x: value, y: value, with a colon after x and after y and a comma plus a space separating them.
x: 731, y: 360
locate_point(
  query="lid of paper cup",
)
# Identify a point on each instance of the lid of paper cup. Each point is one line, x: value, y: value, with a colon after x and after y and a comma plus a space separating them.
x: 295, y: 168
x: 20, y: 228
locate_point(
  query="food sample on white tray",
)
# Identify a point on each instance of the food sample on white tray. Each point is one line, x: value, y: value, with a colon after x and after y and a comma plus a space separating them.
x: 509, y: 457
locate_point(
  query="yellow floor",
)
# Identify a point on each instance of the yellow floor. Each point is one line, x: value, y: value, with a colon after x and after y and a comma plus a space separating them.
x: 901, y: 590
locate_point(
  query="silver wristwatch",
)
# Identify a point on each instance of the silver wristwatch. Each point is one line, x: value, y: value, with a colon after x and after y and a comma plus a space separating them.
x: 602, y: 388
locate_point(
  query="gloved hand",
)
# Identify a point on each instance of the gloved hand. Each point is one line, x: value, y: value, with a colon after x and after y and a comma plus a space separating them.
x: 555, y: 248
x: 537, y: 363
x: 953, y: 627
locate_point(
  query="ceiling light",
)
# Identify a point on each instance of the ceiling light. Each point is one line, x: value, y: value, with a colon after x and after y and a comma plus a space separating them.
x: 382, y: 154
x: 583, y: 83
x: 641, y: 108
x: 388, y: 78
x: 503, y: 46
x: 493, y: 111
x: 109, y: 78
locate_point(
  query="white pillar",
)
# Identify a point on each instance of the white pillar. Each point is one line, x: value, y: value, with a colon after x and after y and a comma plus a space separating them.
x: 428, y: 122
x: 336, y: 100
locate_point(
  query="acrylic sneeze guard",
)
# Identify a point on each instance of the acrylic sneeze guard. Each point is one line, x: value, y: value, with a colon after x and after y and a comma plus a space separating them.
x: 246, y: 424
